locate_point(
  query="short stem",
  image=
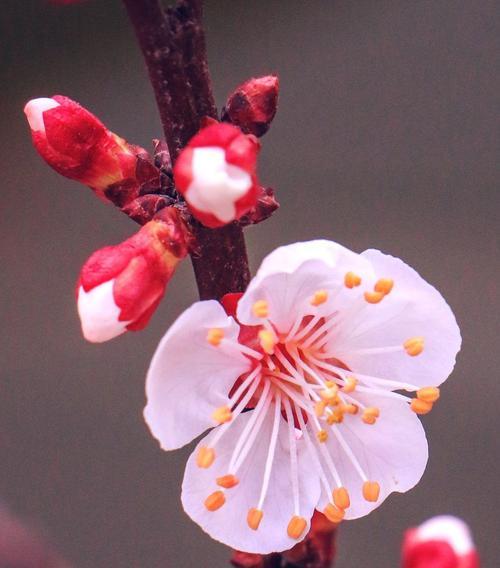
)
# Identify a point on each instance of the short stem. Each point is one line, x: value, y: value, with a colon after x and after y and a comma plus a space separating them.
x: 173, y: 46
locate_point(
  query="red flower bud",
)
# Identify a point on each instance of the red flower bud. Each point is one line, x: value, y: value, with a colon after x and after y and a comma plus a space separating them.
x: 121, y: 286
x: 252, y: 105
x: 440, y: 542
x: 77, y: 144
x: 216, y: 174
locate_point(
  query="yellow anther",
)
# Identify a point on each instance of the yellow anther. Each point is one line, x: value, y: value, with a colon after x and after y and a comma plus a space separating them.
x: 351, y: 280
x: 322, y: 436
x: 296, y: 527
x: 349, y: 408
x: 267, y: 340
x: 320, y: 297
x: 368, y: 419
x: 227, y: 481
x: 319, y: 408
x: 371, y: 491
x: 341, y: 498
x: 330, y: 394
x: 414, y: 346
x: 371, y: 411
x: 333, y: 513
x: 384, y: 285
x: 260, y: 309
x: 222, y: 414
x: 215, y: 500
x: 428, y: 394
x: 205, y: 457
x: 215, y: 336
x: 335, y: 417
x: 374, y: 297
x: 254, y: 517
x: 350, y: 384
x: 421, y: 406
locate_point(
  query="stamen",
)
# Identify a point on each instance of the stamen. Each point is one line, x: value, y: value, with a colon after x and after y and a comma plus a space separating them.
x: 421, y: 406
x: 324, y: 329
x: 205, y: 457
x: 296, y: 527
x: 267, y: 340
x: 227, y: 481
x: 222, y: 414
x: 215, y: 501
x: 330, y: 395
x: 334, y: 416
x: 260, y: 309
x: 349, y: 453
x: 294, y: 472
x: 254, y: 517
x: 370, y: 415
x: 341, y: 498
x: 371, y: 491
x: 306, y: 329
x: 350, y: 384
x: 414, y: 346
x: 215, y: 336
x: 349, y: 408
x: 333, y: 513
x: 319, y: 408
x: 351, y: 280
x: 374, y: 297
x: 322, y: 436
x: 320, y: 297
x: 384, y: 285
x: 428, y: 394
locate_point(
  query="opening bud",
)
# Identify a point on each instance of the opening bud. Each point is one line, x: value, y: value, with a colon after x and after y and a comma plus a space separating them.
x: 121, y: 286
x: 252, y: 105
x: 216, y: 174
x: 77, y: 145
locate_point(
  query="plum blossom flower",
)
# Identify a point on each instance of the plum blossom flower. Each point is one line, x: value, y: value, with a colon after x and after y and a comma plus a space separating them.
x: 441, y: 542
x: 299, y: 379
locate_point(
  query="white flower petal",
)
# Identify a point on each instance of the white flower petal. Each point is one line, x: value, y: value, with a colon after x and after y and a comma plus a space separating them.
x: 449, y: 529
x: 289, y: 277
x: 189, y: 378
x: 413, y: 308
x: 228, y: 524
x: 392, y: 452
x: 34, y: 110
x: 99, y: 315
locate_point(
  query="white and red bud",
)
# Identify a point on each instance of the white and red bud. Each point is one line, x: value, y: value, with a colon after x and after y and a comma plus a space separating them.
x: 121, y: 286
x: 216, y: 174
x: 440, y: 542
x: 77, y: 145
x: 252, y: 105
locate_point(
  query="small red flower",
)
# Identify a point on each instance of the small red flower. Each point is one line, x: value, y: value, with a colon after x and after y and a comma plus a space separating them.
x: 216, y: 174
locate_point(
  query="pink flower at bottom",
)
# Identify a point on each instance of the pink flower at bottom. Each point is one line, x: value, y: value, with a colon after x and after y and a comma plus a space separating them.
x: 299, y: 383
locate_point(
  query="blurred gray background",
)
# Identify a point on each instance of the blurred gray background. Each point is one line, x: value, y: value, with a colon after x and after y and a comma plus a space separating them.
x: 385, y: 137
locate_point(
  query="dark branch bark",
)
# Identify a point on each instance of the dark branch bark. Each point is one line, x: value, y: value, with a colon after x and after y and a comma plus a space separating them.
x: 173, y: 46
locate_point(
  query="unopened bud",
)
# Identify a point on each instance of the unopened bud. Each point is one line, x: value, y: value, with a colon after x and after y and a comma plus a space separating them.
x: 121, y: 286
x: 216, y: 174
x: 252, y: 105
x: 77, y: 145
x: 440, y: 542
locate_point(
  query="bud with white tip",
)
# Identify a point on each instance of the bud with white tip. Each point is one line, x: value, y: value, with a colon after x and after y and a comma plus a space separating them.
x: 121, y: 286
x: 216, y: 174
x: 440, y: 542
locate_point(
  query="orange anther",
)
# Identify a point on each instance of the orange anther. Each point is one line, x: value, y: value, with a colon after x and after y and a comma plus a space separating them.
x: 421, y: 406
x: 352, y: 280
x: 374, y: 297
x: 384, y: 285
x: 205, y: 457
x: 350, y: 384
x: 215, y: 336
x: 371, y: 411
x: 296, y: 527
x: 330, y: 394
x: 341, y: 498
x: 215, y: 501
x: 368, y: 419
x: 254, y: 517
x: 227, y: 481
x: 267, y: 340
x: 322, y: 436
x: 428, y: 394
x: 222, y: 414
x: 335, y: 417
x: 320, y: 297
x: 349, y: 408
x: 260, y: 309
x: 371, y: 491
x: 414, y: 346
x: 333, y: 513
